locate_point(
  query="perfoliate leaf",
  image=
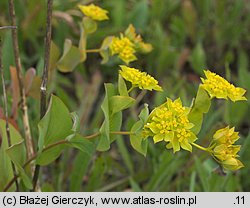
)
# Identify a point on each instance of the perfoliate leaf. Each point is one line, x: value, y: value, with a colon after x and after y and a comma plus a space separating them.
x: 89, y: 25
x: 104, y: 141
x: 50, y: 155
x: 202, y: 101
x: 71, y: 57
x: 55, y: 126
x: 6, y: 173
x: 144, y: 114
x: 79, y: 142
x: 76, y: 122
x: 115, y: 124
x: 83, y: 43
x: 137, y: 140
x: 119, y: 103
x: 105, y: 56
x: 112, y: 119
x: 104, y: 52
x: 122, y: 87
x: 199, y: 107
x: 106, y: 42
x: 19, y: 159
x: 196, y: 117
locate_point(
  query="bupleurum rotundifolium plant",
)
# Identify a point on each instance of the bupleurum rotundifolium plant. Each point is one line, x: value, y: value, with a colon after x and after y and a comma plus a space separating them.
x: 172, y: 123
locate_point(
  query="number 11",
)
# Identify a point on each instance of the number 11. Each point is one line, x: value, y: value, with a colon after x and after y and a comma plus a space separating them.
x: 240, y: 200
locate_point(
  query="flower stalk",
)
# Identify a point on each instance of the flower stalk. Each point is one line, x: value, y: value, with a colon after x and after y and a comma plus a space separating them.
x: 201, y: 148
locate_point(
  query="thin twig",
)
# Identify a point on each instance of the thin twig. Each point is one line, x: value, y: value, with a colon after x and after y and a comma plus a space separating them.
x: 24, y: 108
x: 7, y: 128
x: 8, y: 27
x: 43, y: 88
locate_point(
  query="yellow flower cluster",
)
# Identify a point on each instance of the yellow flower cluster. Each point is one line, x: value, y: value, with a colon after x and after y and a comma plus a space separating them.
x: 169, y: 122
x: 128, y: 44
x: 94, y: 12
x: 124, y: 47
x: 218, y: 87
x: 224, y: 150
x: 139, y: 79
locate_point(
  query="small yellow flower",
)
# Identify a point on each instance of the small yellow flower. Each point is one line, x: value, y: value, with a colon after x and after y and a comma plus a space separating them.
x: 169, y: 122
x: 128, y: 44
x: 218, y: 87
x: 124, y: 47
x: 131, y: 34
x: 224, y: 152
x: 226, y: 136
x: 137, y: 40
x: 232, y: 164
x: 139, y: 79
x: 94, y: 12
x: 223, y: 149
x: 118, y: 44
x: 227, y: 156
x: 127, y: 54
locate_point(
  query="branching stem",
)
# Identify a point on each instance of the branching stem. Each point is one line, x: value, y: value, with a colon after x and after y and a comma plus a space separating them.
x: 131, y: 88
x: 92, y: 50
x: 201, y: 148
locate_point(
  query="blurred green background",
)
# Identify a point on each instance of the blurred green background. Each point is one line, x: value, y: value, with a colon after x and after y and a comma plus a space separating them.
x: 188, y: 36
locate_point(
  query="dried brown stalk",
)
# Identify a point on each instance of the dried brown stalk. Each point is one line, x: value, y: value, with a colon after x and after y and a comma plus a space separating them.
x: 43, y: 88
x: 24, y: 108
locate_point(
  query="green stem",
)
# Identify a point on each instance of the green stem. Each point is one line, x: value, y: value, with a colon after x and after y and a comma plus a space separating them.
x: 201, y: 148
x: 92, y: 136
x: 131, y: 88
x: 122, y: 132
x: 92, y: 50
